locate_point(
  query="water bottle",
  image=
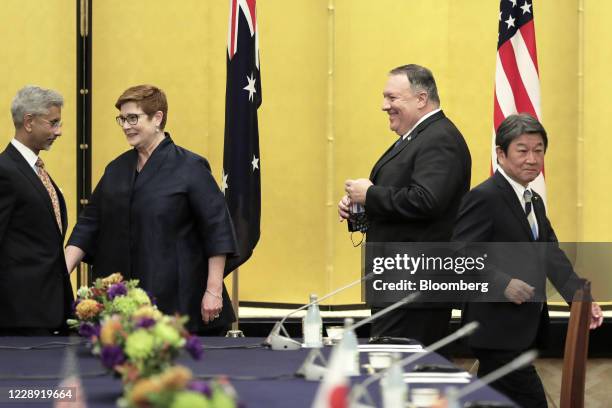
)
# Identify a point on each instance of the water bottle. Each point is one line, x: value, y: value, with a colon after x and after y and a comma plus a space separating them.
x: 451, y: 397
x: 312, y: 325
x: 350, y: 348
x: 393, y: 388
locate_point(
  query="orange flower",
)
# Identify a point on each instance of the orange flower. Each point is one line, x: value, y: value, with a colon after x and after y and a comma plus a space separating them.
x: 175, y: 378
x: 88, y: 308
x: 141, y: 391
x: 108, y: 330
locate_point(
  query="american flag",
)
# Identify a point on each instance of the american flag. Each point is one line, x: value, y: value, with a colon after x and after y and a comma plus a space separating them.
x: 517, y: 81
x: 241, y: 182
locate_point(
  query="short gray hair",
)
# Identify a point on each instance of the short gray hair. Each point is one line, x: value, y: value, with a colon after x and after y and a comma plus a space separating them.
x: 34, y: 100
x: 420, y: 78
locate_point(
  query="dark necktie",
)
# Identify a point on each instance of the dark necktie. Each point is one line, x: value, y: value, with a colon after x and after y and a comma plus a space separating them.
x: 528, y: 195
x: 44, y: 177
x: 400, y: 140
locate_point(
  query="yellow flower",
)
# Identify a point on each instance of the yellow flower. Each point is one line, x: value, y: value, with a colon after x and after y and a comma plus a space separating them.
x: 147, y: 311
x: 140, y: 296
x: 108, y: 330
x: 112, y: 279
x: 164, y: 333
x: 88, y: 308
x: 139, y: 345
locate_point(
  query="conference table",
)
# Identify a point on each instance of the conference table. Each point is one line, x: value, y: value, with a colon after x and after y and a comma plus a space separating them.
x: 263, y: 378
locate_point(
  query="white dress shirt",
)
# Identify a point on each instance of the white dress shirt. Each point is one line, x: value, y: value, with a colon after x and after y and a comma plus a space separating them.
x: 27, y: 154
x: 519, y: 190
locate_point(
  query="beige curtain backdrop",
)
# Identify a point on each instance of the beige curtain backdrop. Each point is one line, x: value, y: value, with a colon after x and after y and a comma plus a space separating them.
x: 324, y: 64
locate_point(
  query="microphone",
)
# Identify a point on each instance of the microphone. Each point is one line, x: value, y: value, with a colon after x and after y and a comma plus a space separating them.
x: 314, y: 372
x: 521, y: 361
x: 361, y: 390
x: 282, y: 341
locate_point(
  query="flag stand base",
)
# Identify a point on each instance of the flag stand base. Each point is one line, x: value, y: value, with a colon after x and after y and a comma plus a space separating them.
x: 234, y: 333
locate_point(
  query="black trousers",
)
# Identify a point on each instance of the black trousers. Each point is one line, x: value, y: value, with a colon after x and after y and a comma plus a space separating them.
x: 523, y: 386
x: 423, y: 325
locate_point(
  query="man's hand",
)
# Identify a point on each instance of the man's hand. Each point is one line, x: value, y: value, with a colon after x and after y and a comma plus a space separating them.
x: 518, y: 291
x: 343, y: 208
x: 596, y: 316
x: 356, y: 190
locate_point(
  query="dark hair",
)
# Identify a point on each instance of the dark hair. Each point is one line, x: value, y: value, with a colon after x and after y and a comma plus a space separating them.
x: 420, y: 78
x: 516, y: 125
x: 149, y: 98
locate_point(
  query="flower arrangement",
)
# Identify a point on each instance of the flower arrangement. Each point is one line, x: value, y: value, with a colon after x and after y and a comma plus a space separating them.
x: 106, y: 297
x: 144, y: 343
x: 135, y: 340
x: 128, y: 332
x: 175, y: 387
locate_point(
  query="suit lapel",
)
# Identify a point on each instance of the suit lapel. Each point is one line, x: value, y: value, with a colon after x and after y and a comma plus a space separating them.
x: 513, y: 203
x: 394, y: 151
x: 29, y: 173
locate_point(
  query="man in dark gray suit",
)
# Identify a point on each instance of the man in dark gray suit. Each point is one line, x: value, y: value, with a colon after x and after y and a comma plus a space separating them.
x: 35, y: 291
x: 415, y: 188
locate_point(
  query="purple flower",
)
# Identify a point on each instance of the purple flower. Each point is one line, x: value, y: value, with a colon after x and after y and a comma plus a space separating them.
x: 194, y: 347
x: 75, y: 303
x: 153, y: 300
x: 145, y: 322
x: 89, y: 330
x: 117, y: 289
x: 111, y: 356
x: 200, y: 386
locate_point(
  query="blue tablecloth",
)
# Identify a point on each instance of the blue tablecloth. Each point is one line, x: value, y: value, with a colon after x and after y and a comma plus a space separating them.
x: 262, y: 377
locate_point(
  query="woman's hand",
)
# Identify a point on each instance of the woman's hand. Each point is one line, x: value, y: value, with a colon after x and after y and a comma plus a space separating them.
x: 74, y: 255
x: 212, y: 304
x: 212, y: 301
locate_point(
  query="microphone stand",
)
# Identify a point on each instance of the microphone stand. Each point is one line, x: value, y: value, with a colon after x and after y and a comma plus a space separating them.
x: 361, y: 390
x: 279, y: 339
x: 314, y: 372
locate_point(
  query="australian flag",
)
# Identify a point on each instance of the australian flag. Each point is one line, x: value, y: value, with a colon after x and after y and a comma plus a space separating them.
x: 241, y: 181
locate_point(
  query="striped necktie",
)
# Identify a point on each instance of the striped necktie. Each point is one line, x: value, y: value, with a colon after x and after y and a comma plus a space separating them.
x: 44, y: 177
x: 528, y: 195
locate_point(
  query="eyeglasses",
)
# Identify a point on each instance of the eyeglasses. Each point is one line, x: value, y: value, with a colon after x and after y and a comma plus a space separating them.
x: 55, y: 124
x: 131, y: 118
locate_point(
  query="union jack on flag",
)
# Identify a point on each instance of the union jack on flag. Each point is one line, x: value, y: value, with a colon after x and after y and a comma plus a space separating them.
x: 517, y: 81
x: 241, y: 182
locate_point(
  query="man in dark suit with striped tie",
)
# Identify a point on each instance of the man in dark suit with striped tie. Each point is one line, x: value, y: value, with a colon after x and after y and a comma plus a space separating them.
x: 35, y: 290
x: 504, y: 209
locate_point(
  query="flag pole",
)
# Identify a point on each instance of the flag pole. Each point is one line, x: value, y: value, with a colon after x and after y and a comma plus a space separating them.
x: 235, y: 332
x: 235, y: 300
